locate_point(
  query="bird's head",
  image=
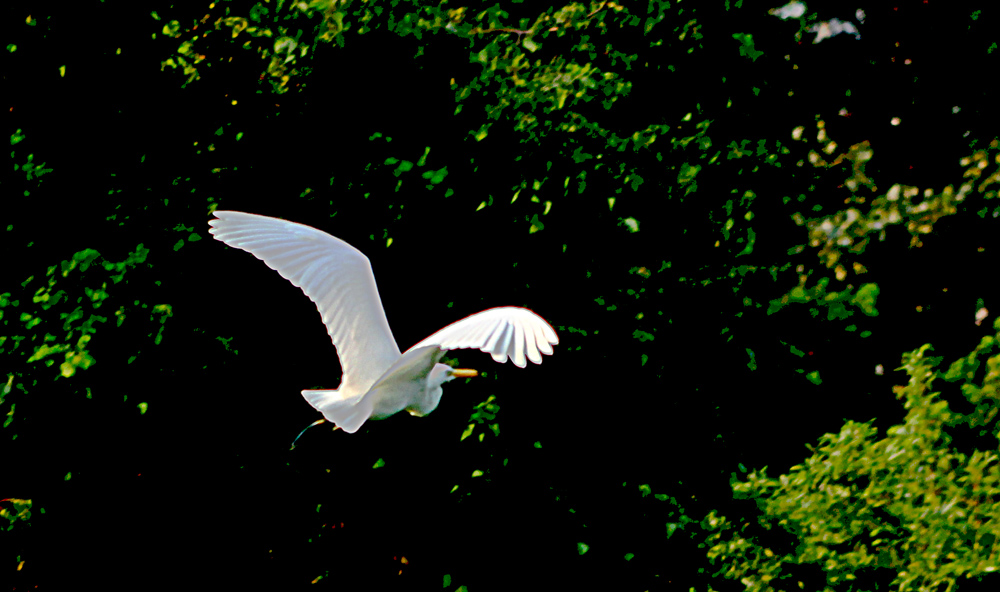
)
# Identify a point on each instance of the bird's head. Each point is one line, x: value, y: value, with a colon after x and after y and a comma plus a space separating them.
x: 424, y: 403
x: 442, y: 373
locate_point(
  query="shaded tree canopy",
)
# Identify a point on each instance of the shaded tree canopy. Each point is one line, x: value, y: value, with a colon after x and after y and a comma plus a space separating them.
x: 739, y: 219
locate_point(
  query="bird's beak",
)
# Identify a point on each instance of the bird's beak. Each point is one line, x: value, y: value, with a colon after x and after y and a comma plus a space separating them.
x: 464, y: 373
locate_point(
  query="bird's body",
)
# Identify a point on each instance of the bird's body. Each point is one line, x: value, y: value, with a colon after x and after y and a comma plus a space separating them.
x: 378, y: 381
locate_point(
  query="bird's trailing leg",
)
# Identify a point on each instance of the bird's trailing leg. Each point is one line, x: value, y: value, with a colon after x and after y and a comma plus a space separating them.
x: 312, y: 425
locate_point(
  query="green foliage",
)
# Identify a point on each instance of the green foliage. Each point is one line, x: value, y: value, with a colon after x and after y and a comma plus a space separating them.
x: 840, y: 238
x: 677, y: 520
x: 849, y: 231
x: 279, y: 45
x: 52, y: 320
x: 483, y: 414
x: 550, y: 78
x: 431, y: 176
x: 31, y: 170
x: 836, y: 303
x: 747, y: 47
x: 537, y: 92
x: 33, y: 173
x: 986, y: 396
x: 20, y: 509
x: 909, y: 503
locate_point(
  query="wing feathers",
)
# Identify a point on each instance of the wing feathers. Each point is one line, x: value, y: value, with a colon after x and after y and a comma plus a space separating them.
x: 334, y: 275
x: 506, y: 332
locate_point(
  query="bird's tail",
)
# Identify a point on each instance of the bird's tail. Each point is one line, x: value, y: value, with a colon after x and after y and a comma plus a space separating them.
x: 348, y: 413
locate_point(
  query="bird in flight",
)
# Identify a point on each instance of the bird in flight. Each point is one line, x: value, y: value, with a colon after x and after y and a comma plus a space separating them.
x: 377, y: 381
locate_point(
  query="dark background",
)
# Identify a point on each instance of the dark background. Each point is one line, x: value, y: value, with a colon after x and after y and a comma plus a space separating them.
x: 203, y: 491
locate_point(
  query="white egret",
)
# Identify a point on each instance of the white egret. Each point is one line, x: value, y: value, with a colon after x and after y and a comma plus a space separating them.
x: 377, y: 380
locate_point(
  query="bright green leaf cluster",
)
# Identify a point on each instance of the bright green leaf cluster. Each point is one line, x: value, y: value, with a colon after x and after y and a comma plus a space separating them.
x: 483, y: 414
x: 836, y: 303
x: 909, y: 502
x: 20, y: 510
x: 57, y: 327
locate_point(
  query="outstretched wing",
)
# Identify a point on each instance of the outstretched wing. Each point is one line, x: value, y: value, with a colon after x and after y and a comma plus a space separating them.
x: 503, y: 332
x: 334, y: 275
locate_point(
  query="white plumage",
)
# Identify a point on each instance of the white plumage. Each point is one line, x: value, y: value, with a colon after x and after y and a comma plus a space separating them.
x: 377, y: 380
